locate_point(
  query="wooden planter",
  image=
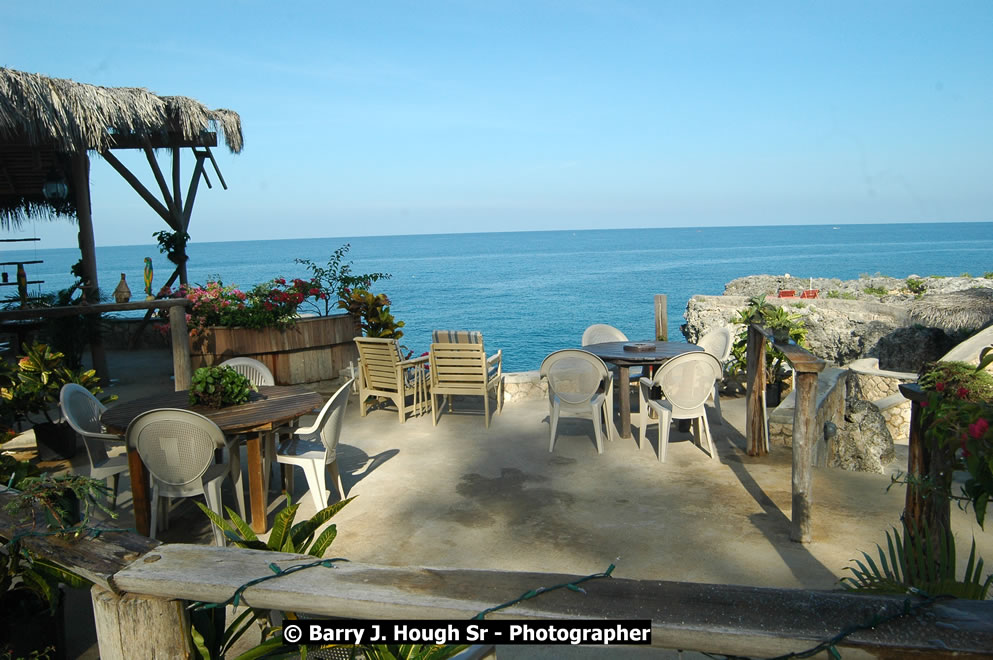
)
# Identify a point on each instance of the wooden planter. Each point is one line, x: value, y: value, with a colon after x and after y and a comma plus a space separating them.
x: 314, y: 349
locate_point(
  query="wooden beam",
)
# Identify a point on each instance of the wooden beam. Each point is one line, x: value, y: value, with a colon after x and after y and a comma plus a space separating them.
x: 182, y: 363
x: 88, y: 253
x: 755, y: 415
x: 140, y: 188
x: 73, y: 310
x: 217, y: 169
x: 177, y: 197
x: 162, y: 141
x: 140, y: 626
x: 713, y: 618
x: 160, y: 179
x: 191, y: 194
x: 805, y: 436
x: 661, y: 317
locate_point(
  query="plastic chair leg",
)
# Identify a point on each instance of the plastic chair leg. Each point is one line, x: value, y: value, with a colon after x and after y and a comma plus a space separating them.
x: 553, y: 423
x: 598, y: 413
x: 315, y: 482
x: 153, y: 526
x: 486, y: 409
x: 710, y: 437
x: 212, y: 493
x: 332, y: 468
x: 717, y: 406
x: 665, y: 420
x: 234, y: 465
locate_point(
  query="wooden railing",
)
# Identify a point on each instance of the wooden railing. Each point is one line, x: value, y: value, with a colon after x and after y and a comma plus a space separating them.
x: 181, y: 362
x: 142, y: 588
x: 806, y: 367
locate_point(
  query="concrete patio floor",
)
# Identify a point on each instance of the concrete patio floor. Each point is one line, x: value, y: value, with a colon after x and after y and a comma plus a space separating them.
x: 463, y: 496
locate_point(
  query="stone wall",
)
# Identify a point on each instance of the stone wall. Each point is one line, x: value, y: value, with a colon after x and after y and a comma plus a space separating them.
x: 524, y: 385
x: 830, y: 408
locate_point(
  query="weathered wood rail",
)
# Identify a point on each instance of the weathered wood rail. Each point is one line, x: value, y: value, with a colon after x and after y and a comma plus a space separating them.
x: 141, y: 589
x: 181, y: 361
x: 806, y: 367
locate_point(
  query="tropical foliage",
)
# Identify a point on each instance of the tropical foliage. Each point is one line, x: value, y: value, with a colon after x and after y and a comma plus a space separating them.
x: 785, y: 326
x: 333, y: 280
x: 219, y: 386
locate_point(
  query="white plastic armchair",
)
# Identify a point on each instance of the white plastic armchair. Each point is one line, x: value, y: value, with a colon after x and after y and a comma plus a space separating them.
x: 718, y: 343
x: 599, y: 333
x: 579, y: 382
x: 315, y: 449
x: 82, y: 411
x: 177, y: 447
x: 686, y: 381
x: 260, y: 376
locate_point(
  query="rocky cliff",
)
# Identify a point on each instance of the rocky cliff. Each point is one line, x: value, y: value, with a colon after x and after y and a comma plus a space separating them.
x: 902, y: 322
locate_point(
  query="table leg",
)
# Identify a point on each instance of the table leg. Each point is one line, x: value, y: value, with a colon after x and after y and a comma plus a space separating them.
x: 624, y: 394
x: 256, y: 490
x: 140, y: 500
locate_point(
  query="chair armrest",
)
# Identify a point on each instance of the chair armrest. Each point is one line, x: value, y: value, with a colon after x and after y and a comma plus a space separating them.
x: 104, y: 437
x: 498, y: 359
x: 414, y: 362
x: 645, y: 386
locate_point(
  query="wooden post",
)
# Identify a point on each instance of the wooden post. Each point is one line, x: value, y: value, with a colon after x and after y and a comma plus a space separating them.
x: 132, y: 626
x: 755, y: 422
x: 804, y: 440
x: 88, y: 254
x: 182, y: 364
x: 661, y: 317
x: 924, y: 508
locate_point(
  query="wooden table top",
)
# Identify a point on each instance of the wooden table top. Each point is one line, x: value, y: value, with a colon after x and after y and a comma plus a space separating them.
x: 613, y: 351
x: 268, y: 408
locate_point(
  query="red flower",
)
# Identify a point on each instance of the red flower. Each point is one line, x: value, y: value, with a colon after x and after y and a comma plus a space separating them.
x: 923, y: 404
x: 963, y: 393
x: 978, y: 428
x: 315, y: 291
x: 940, y: 387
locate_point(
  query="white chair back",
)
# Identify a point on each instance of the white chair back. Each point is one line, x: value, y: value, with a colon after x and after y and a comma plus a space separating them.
x: 574, y: 376
x: 251, y: 369
x: 82, y: 411
x: 177, y: 446
x: 687, y: 380
x: 330, y: 419
x: 599, y: 333
x: 717, y: 342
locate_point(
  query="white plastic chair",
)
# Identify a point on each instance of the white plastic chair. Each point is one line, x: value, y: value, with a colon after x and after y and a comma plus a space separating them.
x: 82, y: 411
x: 599, y: 333
x: 580, y: 382
x: 177, y: 447
x: 687, y: 381
x: 315, y: 448
x: 718, y: 343
x: 260, y: 376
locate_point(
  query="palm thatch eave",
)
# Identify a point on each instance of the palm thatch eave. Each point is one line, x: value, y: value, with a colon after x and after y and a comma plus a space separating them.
x: 71, y: 116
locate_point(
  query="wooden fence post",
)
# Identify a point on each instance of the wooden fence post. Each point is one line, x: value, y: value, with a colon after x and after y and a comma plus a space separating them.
x: 661, y: 317
x: 182, y: 364
x: 133, y: 626
x: 804, y: 440
x: 923, y: 508
x: 756, y: 429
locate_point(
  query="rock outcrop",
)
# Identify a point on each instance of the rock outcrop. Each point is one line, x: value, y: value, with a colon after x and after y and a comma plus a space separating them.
x: 903, y: 323
x: 862, y: 443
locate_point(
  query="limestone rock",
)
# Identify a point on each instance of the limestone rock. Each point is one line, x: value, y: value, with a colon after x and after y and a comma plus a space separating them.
x: 863, y: 443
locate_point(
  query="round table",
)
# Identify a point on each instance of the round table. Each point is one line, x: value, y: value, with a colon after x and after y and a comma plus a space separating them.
x: 267, y: 409
x: 616, y: 352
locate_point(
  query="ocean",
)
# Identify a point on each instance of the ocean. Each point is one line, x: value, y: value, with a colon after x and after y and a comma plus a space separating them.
x: 531, y: 293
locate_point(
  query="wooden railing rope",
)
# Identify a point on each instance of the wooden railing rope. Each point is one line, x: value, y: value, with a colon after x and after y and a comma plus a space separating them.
x: 806, y: 367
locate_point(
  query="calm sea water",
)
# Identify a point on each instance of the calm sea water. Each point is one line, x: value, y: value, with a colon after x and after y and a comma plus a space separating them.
x: 531, y: 293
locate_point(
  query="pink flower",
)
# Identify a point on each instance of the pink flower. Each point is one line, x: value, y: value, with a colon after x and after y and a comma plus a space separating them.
x: 923, y: 404
x: 963, y: 393
x: 940, y: 387
x: 978, y: 428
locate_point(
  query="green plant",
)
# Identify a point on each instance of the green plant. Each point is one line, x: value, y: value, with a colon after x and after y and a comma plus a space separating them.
x: 938, y: 277
x: 916, y: 286
x: 988, y: 275
x: 173, y: 245
x: 784, y: 325
x: 844, y: 295
x: 965, y: 274
x: 66, y: 501
x: 907, y: 567
x: 34, y: 387
x: 875, y: 291
x: 219, y: 386
x: 798, y: 305
x: 333, y: 279
x: 373, y: 313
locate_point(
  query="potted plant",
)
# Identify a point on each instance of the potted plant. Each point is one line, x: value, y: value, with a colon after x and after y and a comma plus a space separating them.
x: 30, y: 392
x: 785, y: 327
x: 219, y: 386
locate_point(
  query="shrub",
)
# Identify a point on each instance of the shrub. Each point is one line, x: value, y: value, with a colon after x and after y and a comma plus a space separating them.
x: 876, y: 291
x: 219, y: 386
x: 916, y: 286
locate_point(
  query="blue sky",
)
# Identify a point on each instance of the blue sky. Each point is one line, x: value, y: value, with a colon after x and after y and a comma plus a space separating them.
x: 365, y: 118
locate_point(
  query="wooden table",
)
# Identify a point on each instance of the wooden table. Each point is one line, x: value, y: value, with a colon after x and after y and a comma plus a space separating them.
x: 615, y: 353
x: 268, y: 409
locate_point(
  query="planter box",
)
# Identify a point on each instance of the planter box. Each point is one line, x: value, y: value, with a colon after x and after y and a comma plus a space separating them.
x: 314, y: 349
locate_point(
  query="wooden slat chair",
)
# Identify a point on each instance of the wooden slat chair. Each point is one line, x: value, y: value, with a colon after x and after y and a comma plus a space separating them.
x: 384, y: 373
x: 459, y: 366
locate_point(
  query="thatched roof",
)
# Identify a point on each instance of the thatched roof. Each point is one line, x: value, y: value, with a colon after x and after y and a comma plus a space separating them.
x: 44, y: 120
x: 954, y: 310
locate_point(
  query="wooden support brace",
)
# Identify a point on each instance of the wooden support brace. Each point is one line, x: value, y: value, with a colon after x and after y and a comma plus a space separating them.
x: 661, y: 317
x: 756, y: 426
